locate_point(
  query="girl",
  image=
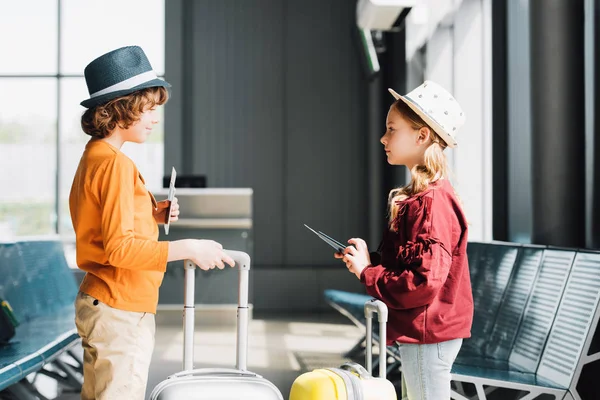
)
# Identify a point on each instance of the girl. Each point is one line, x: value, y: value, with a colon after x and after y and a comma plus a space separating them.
x: 423, y: 274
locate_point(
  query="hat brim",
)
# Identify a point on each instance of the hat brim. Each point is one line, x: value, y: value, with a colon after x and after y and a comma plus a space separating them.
x: 95, y: 101
x: 449, y: 140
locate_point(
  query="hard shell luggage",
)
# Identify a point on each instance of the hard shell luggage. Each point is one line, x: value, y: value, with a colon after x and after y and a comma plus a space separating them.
x: 216, y: 383
x: 351, y: 381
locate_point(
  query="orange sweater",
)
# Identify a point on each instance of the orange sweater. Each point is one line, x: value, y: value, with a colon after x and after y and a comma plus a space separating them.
x: 116, y: 234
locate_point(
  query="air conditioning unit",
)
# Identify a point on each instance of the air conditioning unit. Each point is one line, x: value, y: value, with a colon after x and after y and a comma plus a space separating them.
x: 380, y: 14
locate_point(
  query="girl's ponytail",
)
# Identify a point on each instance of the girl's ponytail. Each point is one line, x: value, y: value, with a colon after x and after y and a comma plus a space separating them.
x: 434, y: 167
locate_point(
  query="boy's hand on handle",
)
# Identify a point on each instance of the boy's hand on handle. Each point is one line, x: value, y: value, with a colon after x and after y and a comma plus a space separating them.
x: 355, y: 257
x: 208, y: 254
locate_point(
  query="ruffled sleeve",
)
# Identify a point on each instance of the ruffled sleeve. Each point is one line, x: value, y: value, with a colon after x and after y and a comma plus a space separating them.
x: 423, y: 258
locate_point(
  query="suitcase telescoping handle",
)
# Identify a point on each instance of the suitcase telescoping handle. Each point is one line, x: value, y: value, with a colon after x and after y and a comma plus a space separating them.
x: 242, y: 262
x: 380, y: 308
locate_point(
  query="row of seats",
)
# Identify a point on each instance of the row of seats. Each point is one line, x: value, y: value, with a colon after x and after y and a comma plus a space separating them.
x: 41, y: 288
x: 536, y: 311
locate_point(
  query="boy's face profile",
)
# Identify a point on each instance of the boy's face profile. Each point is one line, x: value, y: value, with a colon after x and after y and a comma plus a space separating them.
x: 136, y: 126
x: 139, y: 131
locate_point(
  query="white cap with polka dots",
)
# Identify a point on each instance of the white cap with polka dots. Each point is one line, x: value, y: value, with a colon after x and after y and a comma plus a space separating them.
x: 438, y: 108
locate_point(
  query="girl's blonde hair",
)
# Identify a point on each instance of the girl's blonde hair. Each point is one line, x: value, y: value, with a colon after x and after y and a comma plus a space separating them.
x: 422, y: 175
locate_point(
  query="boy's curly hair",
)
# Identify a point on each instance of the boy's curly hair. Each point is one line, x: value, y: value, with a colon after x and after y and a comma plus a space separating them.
x: 124, y: 111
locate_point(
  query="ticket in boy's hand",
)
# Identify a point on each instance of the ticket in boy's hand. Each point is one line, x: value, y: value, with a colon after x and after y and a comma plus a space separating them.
x: 170, y: 197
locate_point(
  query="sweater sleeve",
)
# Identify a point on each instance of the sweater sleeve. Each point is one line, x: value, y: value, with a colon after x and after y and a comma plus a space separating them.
x: 123, y: 249
x: 423, y: 261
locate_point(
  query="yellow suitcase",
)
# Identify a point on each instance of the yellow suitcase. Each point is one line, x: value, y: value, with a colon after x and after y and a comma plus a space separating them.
x: 351, y: 381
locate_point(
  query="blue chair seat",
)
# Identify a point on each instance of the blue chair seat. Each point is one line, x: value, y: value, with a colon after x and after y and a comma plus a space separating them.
x: 482, y: 362
x: 352, y: 303
x: 41, y: 289
x: 54, y: 334
x: 36, y: 343
x: 503, y: 375
x: 9, y: 374
x: 348, y: 298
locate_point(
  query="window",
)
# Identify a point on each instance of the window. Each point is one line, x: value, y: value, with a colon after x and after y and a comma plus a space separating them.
x: 31, y: 26
x: 28, y: 156
x: 42, y: 84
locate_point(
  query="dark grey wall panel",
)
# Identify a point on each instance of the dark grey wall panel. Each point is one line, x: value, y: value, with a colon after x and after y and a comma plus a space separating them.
x: 594, y: 139
x: 299, y: 288
x: 558, y: 108
x: 268, y: 94
x: 499, y: 120
x: 235, y: 110
x: 325, y: 129
x: 174, y: 49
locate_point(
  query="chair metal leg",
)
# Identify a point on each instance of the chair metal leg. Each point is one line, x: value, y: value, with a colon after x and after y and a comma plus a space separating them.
x: 375, y: 363
x: 64, y: 374
x: 459, y: 387
x: 56, y: 376
x: 457, y: 396
x: 392, y: 366
x: 75, y: 379
x: 572, y: 396
x: 480, y: 391
x: 79, y: 367
x: 530, y: 396
x: 357, y: 350
x: 24, y: 390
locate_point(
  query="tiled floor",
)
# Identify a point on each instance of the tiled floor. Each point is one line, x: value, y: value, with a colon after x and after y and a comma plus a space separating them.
x: 280, y: 348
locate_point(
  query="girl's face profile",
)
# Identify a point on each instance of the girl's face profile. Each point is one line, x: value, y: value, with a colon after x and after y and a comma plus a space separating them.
x: 401, y: 140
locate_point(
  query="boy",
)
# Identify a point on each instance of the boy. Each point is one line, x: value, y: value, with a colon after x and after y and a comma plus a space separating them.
x: 115, y: 220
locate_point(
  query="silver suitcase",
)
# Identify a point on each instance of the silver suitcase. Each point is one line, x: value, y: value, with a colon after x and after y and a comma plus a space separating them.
x: 216, y: 383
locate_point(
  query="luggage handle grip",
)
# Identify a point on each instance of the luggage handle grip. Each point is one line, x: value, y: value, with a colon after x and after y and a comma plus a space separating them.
x: 357, y: 368
x: 242, y: 262
x: 381, y: 309
x: 213, y: 371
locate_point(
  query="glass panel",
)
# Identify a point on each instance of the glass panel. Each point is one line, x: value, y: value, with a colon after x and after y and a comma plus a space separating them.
x: 91, y: 28
x: 27, y: 156
x: 148, y: 156
x: 28, y: 29
x: 72, y: 142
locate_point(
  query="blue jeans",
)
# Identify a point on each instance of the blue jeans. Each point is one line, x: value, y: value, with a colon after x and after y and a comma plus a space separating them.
x: 426, y: 369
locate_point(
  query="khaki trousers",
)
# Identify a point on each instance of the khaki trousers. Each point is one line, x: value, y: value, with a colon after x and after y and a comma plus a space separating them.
x: 117, y: 349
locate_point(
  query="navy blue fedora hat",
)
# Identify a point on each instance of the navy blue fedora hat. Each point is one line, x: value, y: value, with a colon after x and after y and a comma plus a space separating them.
x: 119, y: 73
